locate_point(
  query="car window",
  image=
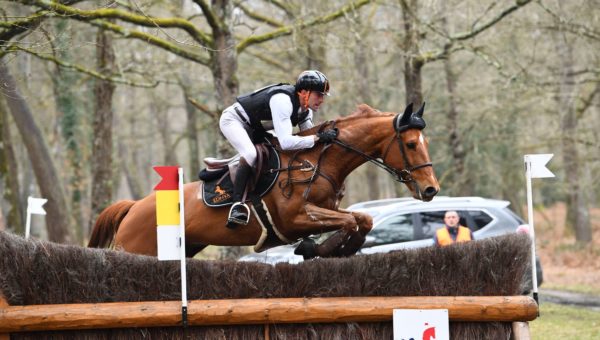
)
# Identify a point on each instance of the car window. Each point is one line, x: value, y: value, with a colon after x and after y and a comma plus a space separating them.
x: 398, y: 228
x: 480, y: 219
x: 434, y: 220
x: 430, y: 222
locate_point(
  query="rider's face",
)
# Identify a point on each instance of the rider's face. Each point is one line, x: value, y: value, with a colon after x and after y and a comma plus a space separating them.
x: 315, y: 99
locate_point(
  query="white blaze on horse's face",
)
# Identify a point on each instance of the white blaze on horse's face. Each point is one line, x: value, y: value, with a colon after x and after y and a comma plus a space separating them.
x: 424, y: 185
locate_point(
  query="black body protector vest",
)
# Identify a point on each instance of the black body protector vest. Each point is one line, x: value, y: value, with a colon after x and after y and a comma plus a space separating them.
x: 256, y: 105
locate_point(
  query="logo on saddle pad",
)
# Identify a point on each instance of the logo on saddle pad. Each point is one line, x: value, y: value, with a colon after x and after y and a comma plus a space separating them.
x: 222, y: 195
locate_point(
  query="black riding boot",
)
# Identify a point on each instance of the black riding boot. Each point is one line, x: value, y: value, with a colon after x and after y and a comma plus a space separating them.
x: 238, y: 215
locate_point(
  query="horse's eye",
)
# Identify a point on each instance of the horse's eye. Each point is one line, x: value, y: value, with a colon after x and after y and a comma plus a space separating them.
x: 411, y: 146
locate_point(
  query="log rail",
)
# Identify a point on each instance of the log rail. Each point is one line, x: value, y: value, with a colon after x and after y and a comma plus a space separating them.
x: 258, y: 311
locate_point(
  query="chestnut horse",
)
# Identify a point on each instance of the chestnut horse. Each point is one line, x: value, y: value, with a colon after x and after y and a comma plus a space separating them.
x: 303, y: 203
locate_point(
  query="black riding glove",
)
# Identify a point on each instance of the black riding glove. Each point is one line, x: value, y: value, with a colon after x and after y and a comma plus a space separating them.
x: 327, y: 136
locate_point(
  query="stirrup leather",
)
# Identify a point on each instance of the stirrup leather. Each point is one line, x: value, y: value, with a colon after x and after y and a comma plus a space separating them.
x: 236, y: 220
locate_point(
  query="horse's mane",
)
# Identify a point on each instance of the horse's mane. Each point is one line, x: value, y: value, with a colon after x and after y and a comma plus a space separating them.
x: 362, y: 111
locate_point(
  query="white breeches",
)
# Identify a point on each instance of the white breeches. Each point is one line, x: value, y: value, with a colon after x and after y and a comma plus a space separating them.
x: 237, y: 133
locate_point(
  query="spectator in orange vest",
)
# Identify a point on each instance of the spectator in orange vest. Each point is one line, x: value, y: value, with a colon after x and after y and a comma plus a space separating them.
x: 452, y: 232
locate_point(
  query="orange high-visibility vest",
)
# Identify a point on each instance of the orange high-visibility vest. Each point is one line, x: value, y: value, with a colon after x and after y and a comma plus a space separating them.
x: 444, y: 238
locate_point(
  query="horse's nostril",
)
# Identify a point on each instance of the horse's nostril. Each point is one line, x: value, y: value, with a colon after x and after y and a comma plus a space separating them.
x: 430, y: 191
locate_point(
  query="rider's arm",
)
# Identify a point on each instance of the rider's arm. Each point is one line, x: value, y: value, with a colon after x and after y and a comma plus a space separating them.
x: 281, y: 109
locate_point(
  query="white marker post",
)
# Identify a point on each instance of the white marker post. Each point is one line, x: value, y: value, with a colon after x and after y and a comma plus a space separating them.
x: 535, y: 167
x: 170, y: 220
x: 34, y: 206
x: 182, y: 249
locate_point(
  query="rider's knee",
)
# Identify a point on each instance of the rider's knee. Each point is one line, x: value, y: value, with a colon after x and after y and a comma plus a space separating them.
x: 249, y: 157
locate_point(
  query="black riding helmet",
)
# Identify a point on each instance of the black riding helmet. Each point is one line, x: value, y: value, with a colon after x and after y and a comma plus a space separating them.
x: 313, y: 80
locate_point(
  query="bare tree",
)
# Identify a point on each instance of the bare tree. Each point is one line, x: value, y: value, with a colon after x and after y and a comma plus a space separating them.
x: 102, y: 142
x: 9, y: 171
x: 57, y: 219
x: 70, y: 112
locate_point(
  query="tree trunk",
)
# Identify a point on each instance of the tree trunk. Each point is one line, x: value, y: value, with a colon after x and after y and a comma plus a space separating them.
x: 577, y: 211
x: 130, y: 169
x: 459, y: 179
x: 224, y: 66
x: 191, y: 130
x: 102, y: 161
x: 361, y: 58
x: 57, y: 218
x: 163, y: 126
x: 412, y: 60
x: 69, y: 110
x: 9, y: 172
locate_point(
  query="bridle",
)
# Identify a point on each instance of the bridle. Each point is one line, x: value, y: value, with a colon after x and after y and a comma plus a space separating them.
x: 403, y: 175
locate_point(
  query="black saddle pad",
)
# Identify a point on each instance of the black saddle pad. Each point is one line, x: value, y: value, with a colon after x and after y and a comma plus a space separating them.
x: 218, y: 191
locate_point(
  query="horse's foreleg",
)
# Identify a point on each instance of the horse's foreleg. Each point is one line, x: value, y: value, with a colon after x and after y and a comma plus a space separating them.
x: 356, y: 239
x: 346, y: 242
x: 364, y: 221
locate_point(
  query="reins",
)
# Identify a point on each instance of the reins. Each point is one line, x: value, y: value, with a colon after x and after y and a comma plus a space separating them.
x: 286, y: 186
x: 403, y: 175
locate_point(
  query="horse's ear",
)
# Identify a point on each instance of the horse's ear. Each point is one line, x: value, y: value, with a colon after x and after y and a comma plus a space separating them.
x: 410, y: 119
x: 408, y: 110
x: 405, y: 119
x: 421, y: 110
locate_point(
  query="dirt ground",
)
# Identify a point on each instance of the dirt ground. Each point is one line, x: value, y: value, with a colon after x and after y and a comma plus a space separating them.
x: 565, y: 263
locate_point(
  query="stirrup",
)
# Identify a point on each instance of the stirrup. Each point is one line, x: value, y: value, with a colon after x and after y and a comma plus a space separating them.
x: 232, y: 219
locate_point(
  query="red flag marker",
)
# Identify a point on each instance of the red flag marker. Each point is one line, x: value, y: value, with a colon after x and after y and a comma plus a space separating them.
x: 170, y: 178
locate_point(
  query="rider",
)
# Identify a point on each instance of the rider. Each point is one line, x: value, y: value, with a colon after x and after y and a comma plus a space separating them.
x: 282, y: 106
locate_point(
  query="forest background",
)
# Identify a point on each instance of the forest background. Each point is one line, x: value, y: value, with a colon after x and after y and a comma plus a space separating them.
x: 95, y: 93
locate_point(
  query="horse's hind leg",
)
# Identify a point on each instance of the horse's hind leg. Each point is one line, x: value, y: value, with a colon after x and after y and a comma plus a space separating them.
x: 192, y: 249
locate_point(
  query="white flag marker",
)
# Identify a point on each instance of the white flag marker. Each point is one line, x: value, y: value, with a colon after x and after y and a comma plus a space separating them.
x: 538, y: 165
x: 535, y: 167
x: 34, y: 206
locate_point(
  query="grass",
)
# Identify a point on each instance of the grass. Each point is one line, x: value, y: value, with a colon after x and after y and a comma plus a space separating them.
x: 575, y: 288
x: 565, y: 322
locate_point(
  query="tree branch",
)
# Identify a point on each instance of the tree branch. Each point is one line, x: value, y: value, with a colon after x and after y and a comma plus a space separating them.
x: 151, y: 39
x: 453, y: 39
x: 14, y: 28
x: 269, y: 61
x: 587, y: 101
x: 282, y: 6
x: 476, y: 31
x: 569, y: 26
x: 211, y: 18
x: 287, y: 30
x: 204, y: 108
x: 81, y: 69
x: 112, y: 13
x: 259, y: 17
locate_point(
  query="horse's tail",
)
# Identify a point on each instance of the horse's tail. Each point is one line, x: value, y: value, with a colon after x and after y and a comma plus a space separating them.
x: 107, y: 224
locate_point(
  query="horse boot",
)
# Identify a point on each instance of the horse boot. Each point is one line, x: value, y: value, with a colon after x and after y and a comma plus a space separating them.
x: 239, y: 214
x: 328, y: 248
x: 306, y: 248
x: 353, y: 244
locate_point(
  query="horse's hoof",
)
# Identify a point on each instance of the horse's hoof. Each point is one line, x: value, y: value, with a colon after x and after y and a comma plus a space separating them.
x: 307, y: 248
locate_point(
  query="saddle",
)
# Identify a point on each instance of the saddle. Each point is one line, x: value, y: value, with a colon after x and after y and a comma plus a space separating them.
x: 218, y: 176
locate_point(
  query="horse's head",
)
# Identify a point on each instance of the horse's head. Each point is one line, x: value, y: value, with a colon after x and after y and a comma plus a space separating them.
x: 408, y: 155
